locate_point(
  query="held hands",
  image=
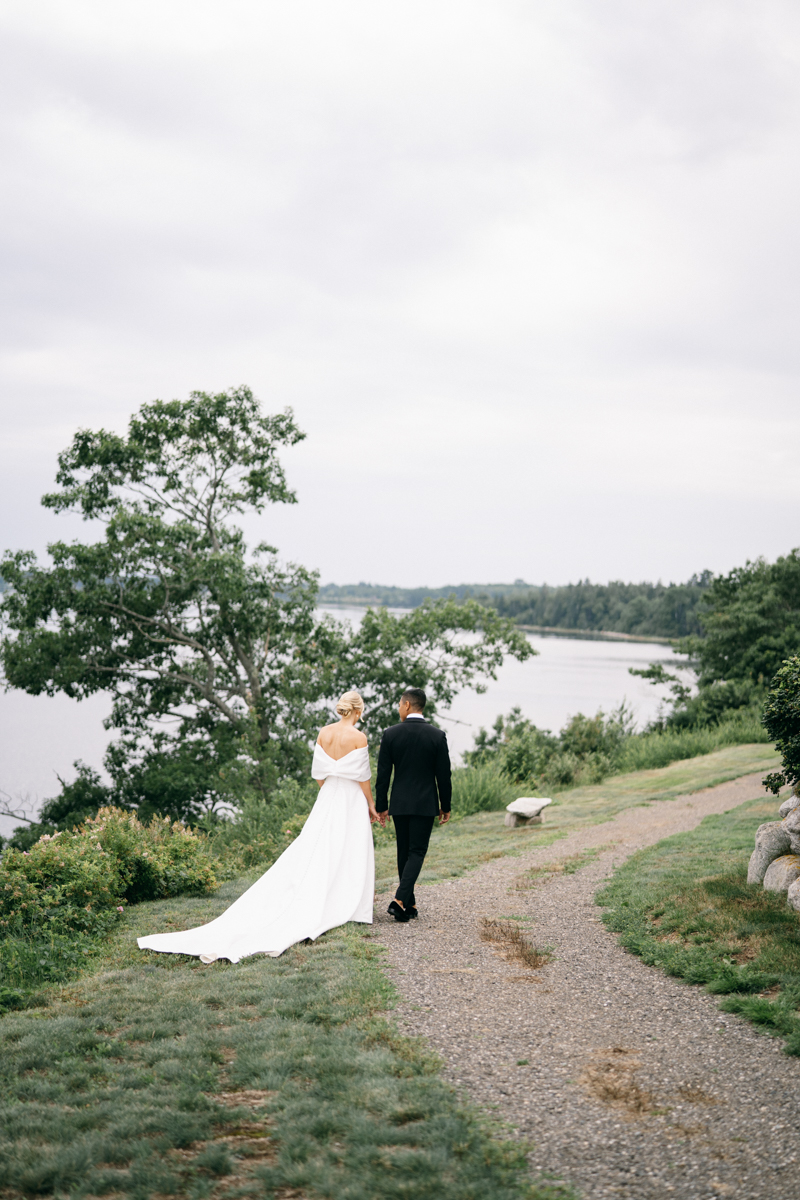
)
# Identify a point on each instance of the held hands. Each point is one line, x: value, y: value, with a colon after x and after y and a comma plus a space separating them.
x: 383, y: 817
x: 374, y: 815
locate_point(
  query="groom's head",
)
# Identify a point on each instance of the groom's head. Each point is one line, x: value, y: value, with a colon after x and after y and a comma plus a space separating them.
x: 413, y: 700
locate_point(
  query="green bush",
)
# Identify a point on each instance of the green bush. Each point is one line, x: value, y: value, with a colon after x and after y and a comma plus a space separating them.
x: 782, y: 722
x: 261, y: 830
x: 66, y: 881
x: 481, y: 789
x: 589, y: 749
x: 648, y: 751
x: 160, y: 859
x: 586, y: 751
x: 79, y: 880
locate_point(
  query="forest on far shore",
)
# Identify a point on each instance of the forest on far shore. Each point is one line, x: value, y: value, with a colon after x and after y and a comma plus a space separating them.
x: 667, y: 610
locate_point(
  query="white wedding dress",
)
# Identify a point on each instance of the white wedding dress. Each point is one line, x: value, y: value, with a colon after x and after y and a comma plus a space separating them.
x: 325, y: 878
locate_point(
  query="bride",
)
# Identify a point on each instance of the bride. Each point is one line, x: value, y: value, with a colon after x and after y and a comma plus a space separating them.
x: 325, y: 878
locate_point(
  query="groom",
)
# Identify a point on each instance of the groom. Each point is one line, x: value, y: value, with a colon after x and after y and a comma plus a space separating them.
x: 420, y: 793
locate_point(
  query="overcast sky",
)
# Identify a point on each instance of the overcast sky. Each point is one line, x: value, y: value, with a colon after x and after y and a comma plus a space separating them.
x: 527, y: 272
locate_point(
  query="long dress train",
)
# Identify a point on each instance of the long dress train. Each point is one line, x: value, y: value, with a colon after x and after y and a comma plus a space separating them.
x: 325, y: 878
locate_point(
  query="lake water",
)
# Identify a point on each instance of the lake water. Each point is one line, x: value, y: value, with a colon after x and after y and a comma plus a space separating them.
x: 40, y: 736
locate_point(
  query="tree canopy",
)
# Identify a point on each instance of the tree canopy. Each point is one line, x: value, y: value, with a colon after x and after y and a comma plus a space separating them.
x: 212, y: 654
x: 751, y: 625
x: 782, y: 722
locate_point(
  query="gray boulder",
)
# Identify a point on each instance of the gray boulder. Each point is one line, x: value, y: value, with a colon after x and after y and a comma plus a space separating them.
x: 791, y: 823
x: 772, y: 840
x: 782, y: 873
x: 788, y: 805
x: 793, y: 895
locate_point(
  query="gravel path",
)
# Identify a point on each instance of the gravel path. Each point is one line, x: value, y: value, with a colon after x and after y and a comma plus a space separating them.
x: 597, y: 1024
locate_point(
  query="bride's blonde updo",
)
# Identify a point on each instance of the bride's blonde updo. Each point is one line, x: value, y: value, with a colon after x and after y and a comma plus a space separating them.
x: 349, y: 702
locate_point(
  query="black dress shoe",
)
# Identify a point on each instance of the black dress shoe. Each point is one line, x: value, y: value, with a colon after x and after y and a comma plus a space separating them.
x: 412, y: 912
x: 395, y: 910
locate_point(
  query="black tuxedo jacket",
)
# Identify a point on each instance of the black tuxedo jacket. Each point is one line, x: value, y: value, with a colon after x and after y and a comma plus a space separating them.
x: 418, y: 753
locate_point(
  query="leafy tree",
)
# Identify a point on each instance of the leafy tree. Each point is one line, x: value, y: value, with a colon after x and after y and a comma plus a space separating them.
x: 751, y: 623
x: 219, y: 668
x: 442, y: 647
x: 782, y: 722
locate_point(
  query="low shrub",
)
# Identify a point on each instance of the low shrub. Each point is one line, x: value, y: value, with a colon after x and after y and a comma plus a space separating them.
x: 261, y: 830
x: 79, y: 880
x: 586, y: 751
x: 160, y: 859
x: 481, y: 789
x: 589, y: 749
x: 647, y: 751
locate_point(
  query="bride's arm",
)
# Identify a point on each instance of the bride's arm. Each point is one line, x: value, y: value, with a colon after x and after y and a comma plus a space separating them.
x: 367, y: 790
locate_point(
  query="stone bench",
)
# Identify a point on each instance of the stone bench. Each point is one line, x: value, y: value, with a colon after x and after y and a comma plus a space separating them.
x: 525, y: 811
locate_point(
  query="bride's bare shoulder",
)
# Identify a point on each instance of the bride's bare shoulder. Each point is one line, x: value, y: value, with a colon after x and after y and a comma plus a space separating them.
x: 333, y: 735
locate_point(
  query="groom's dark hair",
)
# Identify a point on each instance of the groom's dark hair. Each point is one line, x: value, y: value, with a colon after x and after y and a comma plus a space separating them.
x: 416, y: 698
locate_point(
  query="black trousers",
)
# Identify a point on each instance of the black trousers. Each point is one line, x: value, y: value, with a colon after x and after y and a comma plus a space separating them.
x: 413, y: 835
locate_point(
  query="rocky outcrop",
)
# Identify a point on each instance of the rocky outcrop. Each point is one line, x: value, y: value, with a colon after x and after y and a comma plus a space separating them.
x: 788, y: 805
x: 772, y: 840
x: 775, y: 862
x: 782, y: 873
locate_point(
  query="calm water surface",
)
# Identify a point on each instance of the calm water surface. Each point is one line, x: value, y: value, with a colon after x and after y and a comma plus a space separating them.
x: 40, y: 737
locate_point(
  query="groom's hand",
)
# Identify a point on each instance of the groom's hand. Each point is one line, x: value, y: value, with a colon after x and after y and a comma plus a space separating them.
x: 444, y: 817
x: 383, y: 817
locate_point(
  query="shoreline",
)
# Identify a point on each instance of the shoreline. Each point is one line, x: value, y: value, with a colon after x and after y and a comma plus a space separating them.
x: 591, y: 635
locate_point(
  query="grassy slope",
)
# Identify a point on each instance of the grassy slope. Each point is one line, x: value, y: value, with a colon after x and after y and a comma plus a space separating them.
x: 464, y: 844
x: 130, y: 1081
x: 157, y: 1075
x: 684, y: 905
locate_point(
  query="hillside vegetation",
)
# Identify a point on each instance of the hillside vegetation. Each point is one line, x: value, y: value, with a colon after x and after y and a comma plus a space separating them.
x: 641, y: 609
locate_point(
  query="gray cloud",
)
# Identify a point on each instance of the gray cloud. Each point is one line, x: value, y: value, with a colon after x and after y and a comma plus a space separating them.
x: 534, y: 266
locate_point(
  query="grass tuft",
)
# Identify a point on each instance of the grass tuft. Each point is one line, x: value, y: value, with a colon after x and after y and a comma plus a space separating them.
x: 611, y: 1078
x: 511, y: 941
x: 561, y: 866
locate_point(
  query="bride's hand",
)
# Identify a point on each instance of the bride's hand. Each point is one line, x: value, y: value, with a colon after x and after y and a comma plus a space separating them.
x: 373, y: 814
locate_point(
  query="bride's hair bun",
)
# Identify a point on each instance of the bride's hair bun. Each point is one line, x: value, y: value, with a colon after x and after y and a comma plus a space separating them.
x: 349, y: 702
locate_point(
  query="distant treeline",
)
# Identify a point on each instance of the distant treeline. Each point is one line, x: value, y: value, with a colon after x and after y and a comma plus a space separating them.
x: 373, y: 594
x: 643, y: 609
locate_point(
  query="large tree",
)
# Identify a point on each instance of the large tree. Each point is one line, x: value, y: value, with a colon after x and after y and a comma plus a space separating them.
x: 751, y: 623
x: 212, y: 654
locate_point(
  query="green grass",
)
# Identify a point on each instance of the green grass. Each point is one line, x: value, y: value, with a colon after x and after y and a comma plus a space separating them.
x: 467, y: 842
x: 684, y: 905
x: 646, y: 750
x: 481, y: 789
x: 155, y: 1075
x: 29, y: 963
x: 560, y: 866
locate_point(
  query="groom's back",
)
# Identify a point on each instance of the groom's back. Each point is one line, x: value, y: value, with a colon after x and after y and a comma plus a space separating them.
x: 418, y: 754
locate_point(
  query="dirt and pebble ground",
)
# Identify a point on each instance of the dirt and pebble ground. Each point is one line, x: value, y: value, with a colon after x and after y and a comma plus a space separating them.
x: 628, y: 1083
